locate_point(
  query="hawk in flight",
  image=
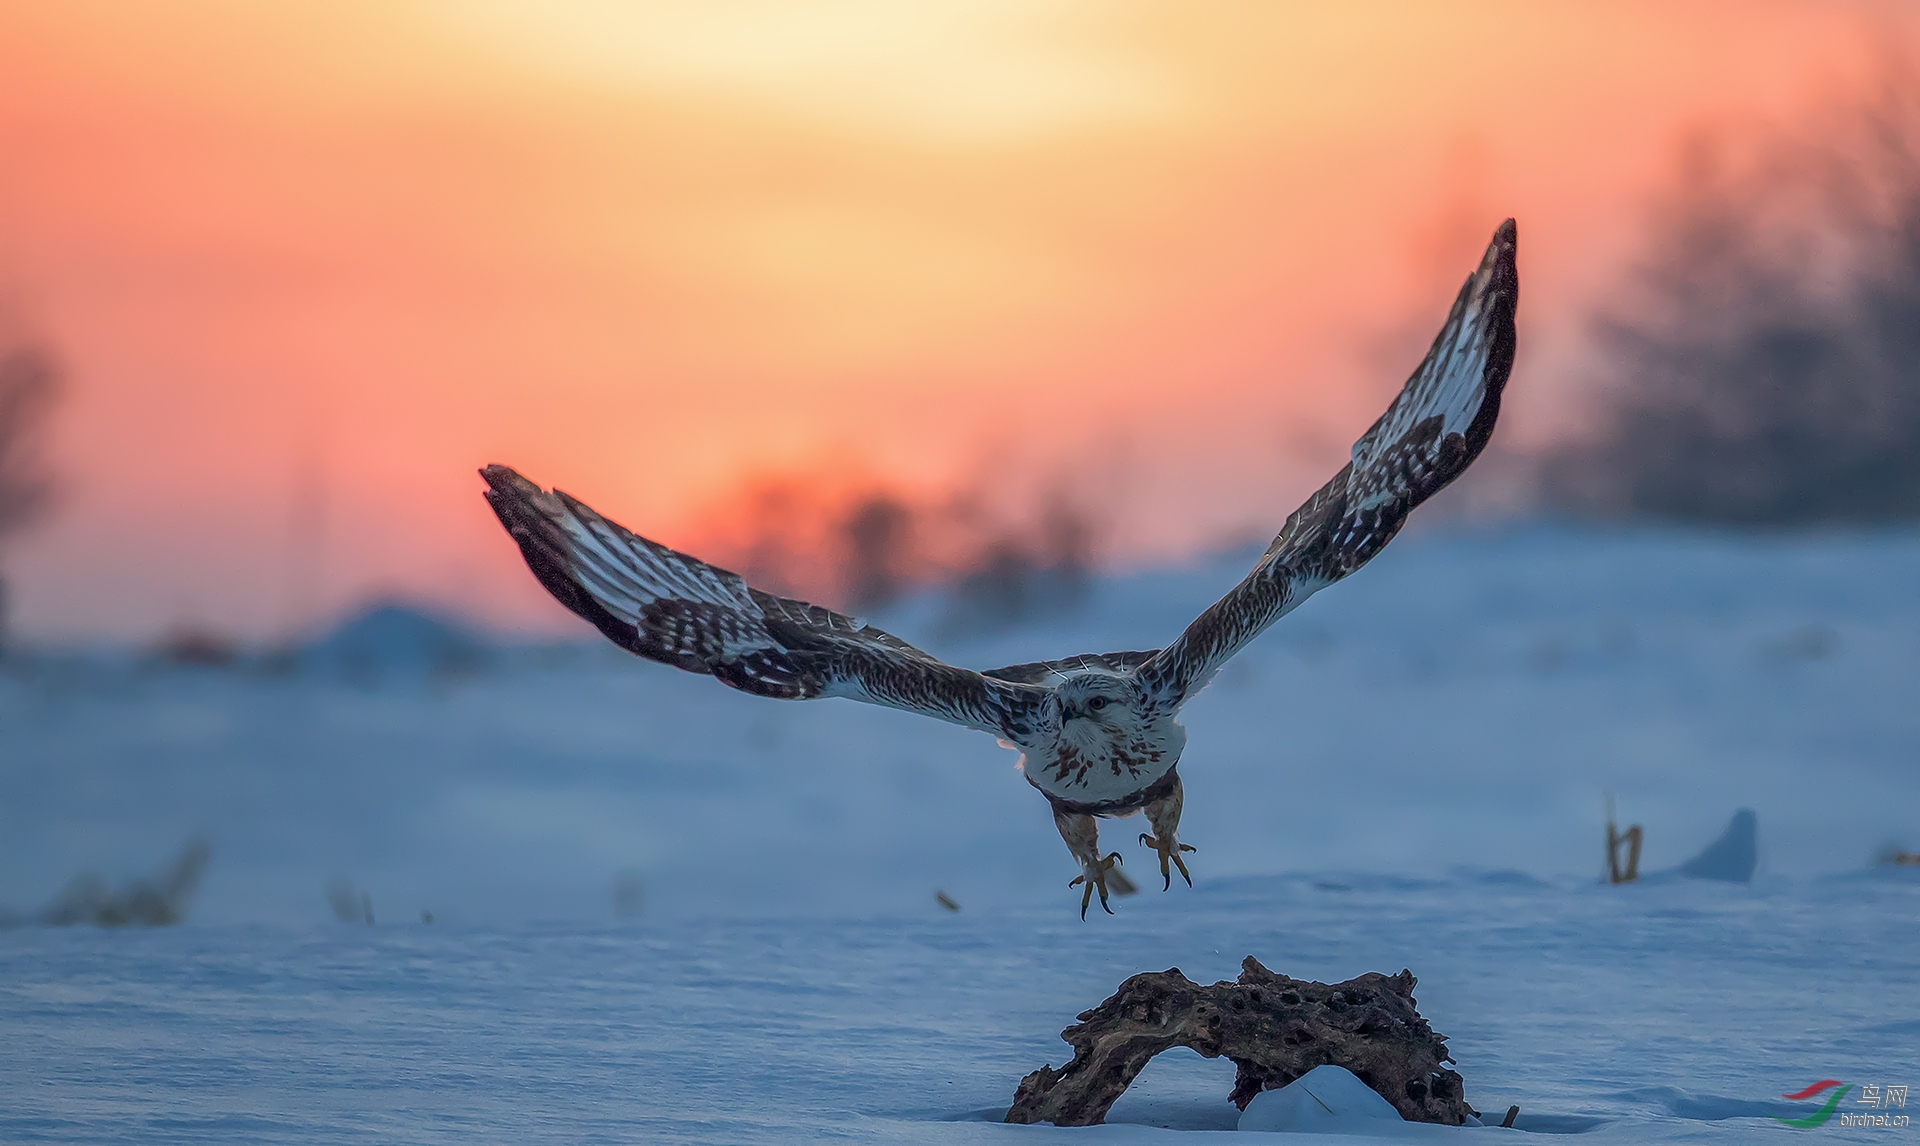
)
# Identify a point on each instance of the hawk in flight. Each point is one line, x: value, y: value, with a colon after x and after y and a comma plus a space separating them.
x: 1099, y: 733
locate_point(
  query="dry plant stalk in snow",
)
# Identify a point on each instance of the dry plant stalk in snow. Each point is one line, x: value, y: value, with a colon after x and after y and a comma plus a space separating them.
x: 1630, y: 839
x: 158, y: 902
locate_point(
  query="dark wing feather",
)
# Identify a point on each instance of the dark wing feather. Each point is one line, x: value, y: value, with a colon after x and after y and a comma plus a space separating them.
x: 1435, y: 428
x: 675, y: 609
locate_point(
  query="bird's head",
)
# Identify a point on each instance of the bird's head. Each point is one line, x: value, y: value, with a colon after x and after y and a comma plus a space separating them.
x: 1092, y: 698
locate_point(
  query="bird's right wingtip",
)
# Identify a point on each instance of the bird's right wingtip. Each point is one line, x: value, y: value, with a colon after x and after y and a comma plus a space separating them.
x: 1500, y: 250
x: 1498, y: 274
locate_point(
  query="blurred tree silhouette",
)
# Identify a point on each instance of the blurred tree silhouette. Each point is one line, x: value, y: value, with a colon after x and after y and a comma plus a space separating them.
x: 878, y: 538
x: 1016, y: 574
x: 29, y: 385
x: 1005, y: 555
x: 1767, y: 370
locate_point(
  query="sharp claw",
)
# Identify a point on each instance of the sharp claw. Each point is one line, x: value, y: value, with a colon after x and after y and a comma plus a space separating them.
x: 1095, y: 879
x: 1166, y: 854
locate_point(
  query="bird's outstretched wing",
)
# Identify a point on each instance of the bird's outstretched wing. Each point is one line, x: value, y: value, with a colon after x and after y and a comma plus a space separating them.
x: 1432, y: 432
x: 678, y: 610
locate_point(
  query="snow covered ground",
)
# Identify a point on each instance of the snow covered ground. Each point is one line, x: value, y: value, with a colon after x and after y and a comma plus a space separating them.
x: 1407, y: 772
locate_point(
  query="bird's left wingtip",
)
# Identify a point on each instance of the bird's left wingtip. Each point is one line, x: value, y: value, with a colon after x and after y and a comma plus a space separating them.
x: 507, y: 481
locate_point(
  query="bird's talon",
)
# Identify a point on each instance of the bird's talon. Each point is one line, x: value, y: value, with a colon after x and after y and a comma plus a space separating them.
x: 1094, y: 877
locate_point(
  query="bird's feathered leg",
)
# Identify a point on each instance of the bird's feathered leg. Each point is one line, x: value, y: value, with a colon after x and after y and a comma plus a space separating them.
x: 1082, y: 834
x: 1164, y: 815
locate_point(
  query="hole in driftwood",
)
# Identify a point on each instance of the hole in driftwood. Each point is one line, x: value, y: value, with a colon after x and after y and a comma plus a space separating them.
x: 1179, y: 1090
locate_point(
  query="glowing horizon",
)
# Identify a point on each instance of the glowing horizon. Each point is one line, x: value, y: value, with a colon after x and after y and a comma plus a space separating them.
x: 309, y: 265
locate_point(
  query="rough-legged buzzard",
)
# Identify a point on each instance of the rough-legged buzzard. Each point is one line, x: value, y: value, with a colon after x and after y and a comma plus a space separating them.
x: 1098, y: 733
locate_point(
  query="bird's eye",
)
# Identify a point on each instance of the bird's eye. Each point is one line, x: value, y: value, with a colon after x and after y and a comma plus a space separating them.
x: 1097, y: 703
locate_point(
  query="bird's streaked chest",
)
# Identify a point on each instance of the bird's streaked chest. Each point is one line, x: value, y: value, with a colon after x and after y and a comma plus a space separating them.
x: 1104, y: 764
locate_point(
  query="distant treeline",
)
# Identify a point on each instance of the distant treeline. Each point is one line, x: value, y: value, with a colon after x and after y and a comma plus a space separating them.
x: 863, y: 546
x: 1763, y: 367
x: 29, y: 387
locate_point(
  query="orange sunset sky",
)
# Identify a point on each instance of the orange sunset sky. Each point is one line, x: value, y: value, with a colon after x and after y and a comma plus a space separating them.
x: 308, y: 264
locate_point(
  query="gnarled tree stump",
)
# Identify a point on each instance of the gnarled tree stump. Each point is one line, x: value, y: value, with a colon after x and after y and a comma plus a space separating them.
x: 1275, y: 1029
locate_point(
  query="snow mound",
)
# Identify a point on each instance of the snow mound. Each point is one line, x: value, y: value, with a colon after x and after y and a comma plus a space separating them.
x: 1325, y: 1100
x: 392, y: 639
x: 1733, y: 856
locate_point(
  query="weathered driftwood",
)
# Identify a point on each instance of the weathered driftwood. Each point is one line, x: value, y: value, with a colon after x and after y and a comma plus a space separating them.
x: 1275, y: 1029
